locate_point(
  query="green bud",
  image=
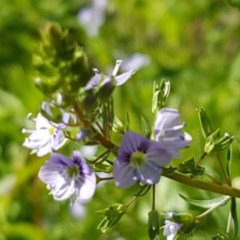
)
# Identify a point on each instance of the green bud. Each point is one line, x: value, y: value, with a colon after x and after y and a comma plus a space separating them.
x: 61, y: 62
x: 205, y: 123
x: 183, y: 218
x: 118, y: 126
x: 215, y: 142
x: 153, y: 224
x: 160, y: 94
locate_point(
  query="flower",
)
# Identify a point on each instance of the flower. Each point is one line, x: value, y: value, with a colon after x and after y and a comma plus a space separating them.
x: 46, y: 137
x: 99, y: 80
x: 93, y: 16
x: 170, y: 229
x: 140, y: 159
x: 68, y: 178
x: 136, y: 61
x: 168, y: 129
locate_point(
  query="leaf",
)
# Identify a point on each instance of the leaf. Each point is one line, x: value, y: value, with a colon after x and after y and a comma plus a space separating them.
x: 112, y: 216
x: 205, y: 123
x: 190, y: 167
x: 206, y: 203
x: 234, y: 217
x: 145, y: 127
x: 101, y: 167
x: 229, y: 160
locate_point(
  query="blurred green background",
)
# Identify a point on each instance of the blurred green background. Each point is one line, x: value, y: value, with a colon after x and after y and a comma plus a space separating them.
x: 193, y: 44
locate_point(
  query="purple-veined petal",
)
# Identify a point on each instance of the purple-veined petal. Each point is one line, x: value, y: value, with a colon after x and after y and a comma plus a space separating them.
x: 88, y: 188
x: 168, y: 130
x: 123, y: 174
x: 140, y: 159
x: 67, y: 178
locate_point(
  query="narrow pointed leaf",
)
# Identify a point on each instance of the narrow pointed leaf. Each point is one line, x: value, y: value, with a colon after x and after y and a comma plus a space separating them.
x: 145, y: 127
x: 206, y: 203
x: 235, y: 218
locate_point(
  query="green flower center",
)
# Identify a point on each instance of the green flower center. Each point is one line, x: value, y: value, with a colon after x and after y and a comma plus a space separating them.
x: 138, y: 158
x: 73, y: 171
x: 52, y: 130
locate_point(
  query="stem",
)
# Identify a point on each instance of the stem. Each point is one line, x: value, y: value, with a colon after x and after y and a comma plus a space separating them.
x: 212, y: 187
x: 213, y: 208
x: 100, y: 138
x: 222, y: 170
x: 132, y: 200
x: 104, y: 179
x: 100, y: 157
x: 229, y: 223
x: 140, y: 193
x: 153, y: 197
x: 202, y: 157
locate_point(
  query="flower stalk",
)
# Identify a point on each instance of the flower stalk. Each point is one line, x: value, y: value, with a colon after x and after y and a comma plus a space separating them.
x: 211, y: 187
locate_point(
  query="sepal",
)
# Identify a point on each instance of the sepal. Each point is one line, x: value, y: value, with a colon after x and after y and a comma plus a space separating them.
x: 112, y: 216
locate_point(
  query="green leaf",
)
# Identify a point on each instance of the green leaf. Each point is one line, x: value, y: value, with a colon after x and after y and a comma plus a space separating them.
x: 102, y: 167
x: 190, y: 167
x: 145, y: 127
x: 205, y: 123
x: 234, y: 217
x: 112, y: 216
x: 210, y: 203
x: 229, y: 160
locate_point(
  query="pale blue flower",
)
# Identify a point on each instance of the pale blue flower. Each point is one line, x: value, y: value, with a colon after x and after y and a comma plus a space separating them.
x: 170, y: 229
x: 93, y: 16
x: 136, y: 61
x: 140, y: 160
x: 99, y: 80
x: 46, y: 137
x: 168, y: 129
x: 68, y: 178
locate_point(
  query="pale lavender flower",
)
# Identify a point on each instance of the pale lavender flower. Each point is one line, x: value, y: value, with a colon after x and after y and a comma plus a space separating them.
x: 135, y: 61
x: 168, y: 129
x: 68, y: 178
x: 170, y: 229
x: 99, y: 80
x: 46, y: 137
x: 140, y: 159
x: 93, y: 16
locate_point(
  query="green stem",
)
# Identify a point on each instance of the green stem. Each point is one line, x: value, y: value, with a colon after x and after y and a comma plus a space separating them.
x: 202, y: 157
x: 212, y: 187
x: 140, y: 193
x: 98, y: 137
x: 222, y: 170
x: 153, y: 197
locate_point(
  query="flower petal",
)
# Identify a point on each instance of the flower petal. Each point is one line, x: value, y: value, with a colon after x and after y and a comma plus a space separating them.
x: 123, y: 174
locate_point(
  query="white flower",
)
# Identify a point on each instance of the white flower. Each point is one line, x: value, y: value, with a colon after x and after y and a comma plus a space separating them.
x: 46, y: 137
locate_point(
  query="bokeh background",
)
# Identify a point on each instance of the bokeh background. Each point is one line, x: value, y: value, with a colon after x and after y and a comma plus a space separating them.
x: 193, y: 44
